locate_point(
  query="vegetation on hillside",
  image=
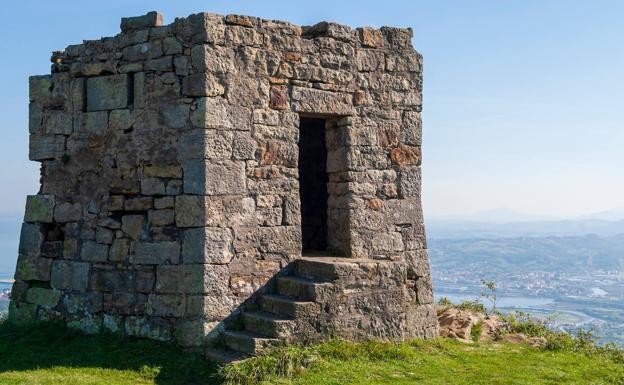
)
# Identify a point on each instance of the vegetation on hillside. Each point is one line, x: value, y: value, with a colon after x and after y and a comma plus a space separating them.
x: 51, y: 354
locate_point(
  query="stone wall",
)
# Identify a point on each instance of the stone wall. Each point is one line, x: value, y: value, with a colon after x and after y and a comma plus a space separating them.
x: 169, y: 180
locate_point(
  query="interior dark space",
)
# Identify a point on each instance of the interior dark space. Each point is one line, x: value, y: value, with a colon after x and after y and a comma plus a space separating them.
x: 313, y: 184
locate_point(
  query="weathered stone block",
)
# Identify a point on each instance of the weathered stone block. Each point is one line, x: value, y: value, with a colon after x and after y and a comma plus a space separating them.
x: 92, y: 122
x: 120, y: 120
x: 104, y: 235
x: 424, y: 290
x: 35, y: 117
x: 174, y: 115
x: 33, y: 268
x: 213, y: 59
x: 67, y: 212
x: 125, y: 303
x: 40, y: 88
x: 193, y: 279
x: 242, y: 20
x: 404, y: 211
x: 132, y: 225
x: 211, y: 113
x: 180, y: 279
x: 59, y: 122
x: 150, y: 19
x: 201, y: 28
x: 411, y: 129
x: 321, y: 102
x: 152, y: 186
x: 163, y: 203
x: 279, y: 99
x: 406, y: 155
x: 82, y: 303
x: 43, y: 147
x: 94, y: 252
x: 138, y: 204
x: 39, y: 208
x: 244, y: 146
x: 119, y: 249
x: 70, y: 275
x: 160, y: 217
x: 171, y: 46
x: 202, y: 84
x: 207, y: 245
x: 369, y: 60
x: 46, y: 298
x: 31, y: 239
x: 110, y: 280
x: 197, y: 211
x: 163, y: 171
x: 207, y: 178
x: 156, y: 253
x: 161, y: 64
x: 166, y: 305
x: 152, y: 328
x: 70, y: 248
x: 409, y: 182
x: 107, y: 92
x: 206, y: 144
x: 370, y: 37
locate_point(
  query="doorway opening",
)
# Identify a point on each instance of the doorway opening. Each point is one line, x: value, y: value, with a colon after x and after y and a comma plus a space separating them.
x: 313, y: 184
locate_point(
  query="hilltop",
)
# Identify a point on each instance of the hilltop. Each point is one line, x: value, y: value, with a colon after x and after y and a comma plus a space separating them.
x: 51, y: 354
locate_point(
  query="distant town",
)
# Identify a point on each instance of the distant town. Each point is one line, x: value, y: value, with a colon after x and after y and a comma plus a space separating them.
x: 568, y: 291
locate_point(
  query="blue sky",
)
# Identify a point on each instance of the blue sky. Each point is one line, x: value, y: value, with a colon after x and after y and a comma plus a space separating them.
x: 524, y: 100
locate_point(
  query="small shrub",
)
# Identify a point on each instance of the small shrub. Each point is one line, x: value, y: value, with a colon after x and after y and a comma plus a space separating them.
x: 520, y: 322
x: 444, y: 301
x: 474, y: 306
x: 476, y: 331
x: 489, y: 294
x: 583, y: 342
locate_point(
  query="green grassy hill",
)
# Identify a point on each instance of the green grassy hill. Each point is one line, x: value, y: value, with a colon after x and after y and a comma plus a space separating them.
x: 49, y: 354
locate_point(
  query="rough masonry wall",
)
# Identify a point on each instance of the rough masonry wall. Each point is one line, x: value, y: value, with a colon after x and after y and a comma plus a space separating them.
x: 169, y: 180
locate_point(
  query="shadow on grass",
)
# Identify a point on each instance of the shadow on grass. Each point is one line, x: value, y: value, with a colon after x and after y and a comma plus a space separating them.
x: 45, y: 345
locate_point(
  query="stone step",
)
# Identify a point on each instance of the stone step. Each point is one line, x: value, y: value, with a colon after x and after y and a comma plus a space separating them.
x: 301, y: 288
x: 247, y: 342
x: 224, y: 356
x: 318, y: 269
x: 268, y: 324
x: 326, y: 269
x: 288, y: 306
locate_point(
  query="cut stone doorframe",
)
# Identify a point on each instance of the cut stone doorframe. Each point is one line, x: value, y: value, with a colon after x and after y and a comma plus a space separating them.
x: 169, y: 177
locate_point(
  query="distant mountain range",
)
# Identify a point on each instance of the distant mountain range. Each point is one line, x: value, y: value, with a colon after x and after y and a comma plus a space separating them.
x: 547, y: 253
x: 506, y: 223
x: 445, y: 229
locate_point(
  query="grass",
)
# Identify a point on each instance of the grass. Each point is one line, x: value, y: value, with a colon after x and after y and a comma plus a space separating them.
x: 430, y: 362
x: 51, y: 354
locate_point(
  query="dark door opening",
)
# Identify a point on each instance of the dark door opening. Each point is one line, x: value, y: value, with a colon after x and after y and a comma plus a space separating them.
x: 313, y: 184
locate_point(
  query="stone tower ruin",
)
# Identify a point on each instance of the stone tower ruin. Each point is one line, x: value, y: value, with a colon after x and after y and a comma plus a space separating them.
x: 229, y: 179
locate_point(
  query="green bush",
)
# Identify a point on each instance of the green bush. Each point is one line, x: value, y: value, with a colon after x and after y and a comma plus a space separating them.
x: 476, y: 331
x: 474, y: 306
x: 583, y: 342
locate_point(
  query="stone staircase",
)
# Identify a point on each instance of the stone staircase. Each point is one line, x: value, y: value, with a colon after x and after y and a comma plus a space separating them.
x: 280, y: 315
x: 355, y: 299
